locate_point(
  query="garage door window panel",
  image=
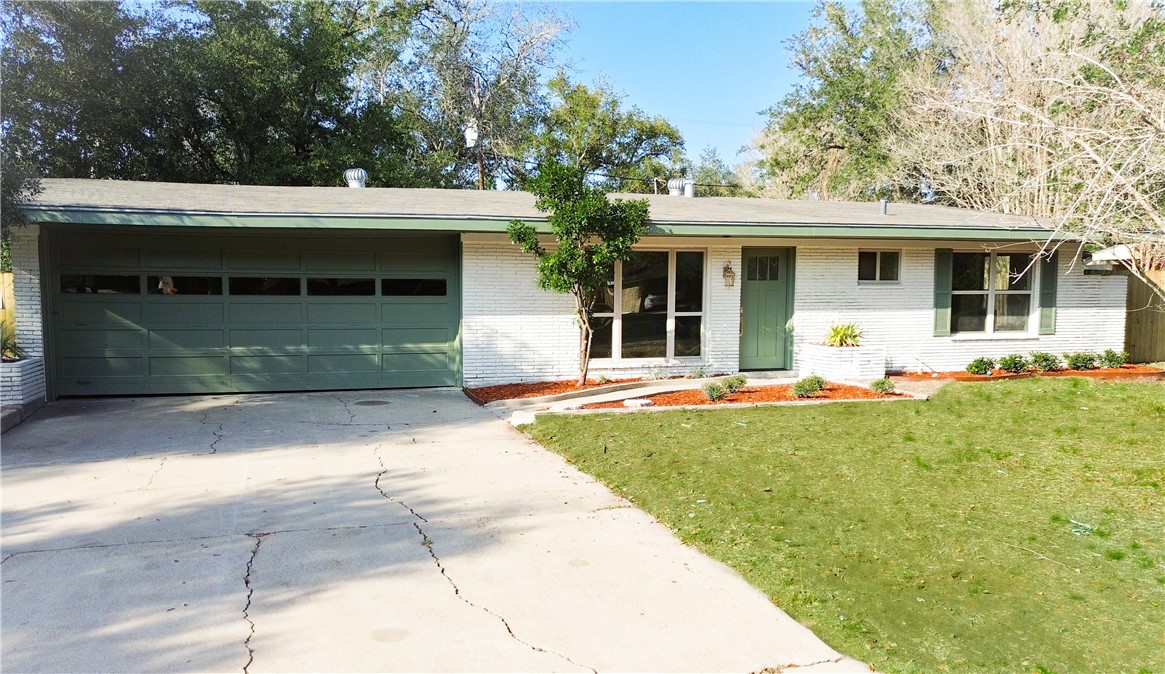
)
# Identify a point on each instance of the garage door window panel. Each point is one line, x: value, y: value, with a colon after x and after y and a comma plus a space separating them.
x: 280, y: 286
x: 184, y: 285
x: 345, y: 287
x: 414, y: 287
x: 101, y: 284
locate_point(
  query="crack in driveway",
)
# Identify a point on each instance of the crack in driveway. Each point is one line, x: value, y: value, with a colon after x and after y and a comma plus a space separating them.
x: 428, y: 544
x: 218, y: 432
x: 258, y: 538
x: 351, y: 414
x: 150, y: 481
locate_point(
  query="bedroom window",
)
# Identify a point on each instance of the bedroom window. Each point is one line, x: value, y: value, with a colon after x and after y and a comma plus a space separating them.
x: 878, y: 265
x: 990, y: 292
x: 653, y: 307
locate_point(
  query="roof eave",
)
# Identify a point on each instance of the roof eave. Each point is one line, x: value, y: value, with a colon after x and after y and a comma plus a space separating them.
x: 48, y: 214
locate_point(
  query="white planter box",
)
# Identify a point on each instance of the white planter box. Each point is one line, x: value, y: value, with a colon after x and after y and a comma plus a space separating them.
x: 22, y: 382
x: 842, y: 363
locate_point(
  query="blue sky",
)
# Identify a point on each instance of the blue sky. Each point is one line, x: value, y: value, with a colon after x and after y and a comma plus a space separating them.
x: 709, y: 68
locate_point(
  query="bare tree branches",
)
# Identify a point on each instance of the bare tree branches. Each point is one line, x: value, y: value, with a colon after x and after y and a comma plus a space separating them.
x: 1057, y: 115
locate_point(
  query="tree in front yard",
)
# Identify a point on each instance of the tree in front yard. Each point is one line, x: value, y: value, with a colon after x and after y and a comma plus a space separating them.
x: 591, y: 233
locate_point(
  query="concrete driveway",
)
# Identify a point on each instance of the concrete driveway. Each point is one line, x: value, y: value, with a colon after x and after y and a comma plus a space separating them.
x: 356, y: 531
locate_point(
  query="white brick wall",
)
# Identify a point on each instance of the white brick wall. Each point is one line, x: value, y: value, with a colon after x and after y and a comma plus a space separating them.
x: 1090, y: 311
x: 513, y: 332
x: 510, y: 330
x: 23, y: 383
x: 26, y: 287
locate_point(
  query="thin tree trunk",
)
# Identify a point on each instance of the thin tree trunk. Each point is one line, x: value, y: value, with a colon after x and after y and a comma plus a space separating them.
x: 585, y: 334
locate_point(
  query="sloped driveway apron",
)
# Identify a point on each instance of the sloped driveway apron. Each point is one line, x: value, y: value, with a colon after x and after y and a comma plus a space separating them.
x: 356, y: 531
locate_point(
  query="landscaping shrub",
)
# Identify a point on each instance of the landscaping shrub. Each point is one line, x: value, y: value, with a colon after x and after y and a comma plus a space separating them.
x: 1044, y: 361
x: 1113, y: 359
x: 697, y: 373
x: 734, y: 383
x: 883, y: 385
x: 10, y: 350
x: 981, y: 365
x: 1081, y: 360
x: 714, y: 390
x: 843, y: 334
x: 1013, y: 363
x: 808, y: 387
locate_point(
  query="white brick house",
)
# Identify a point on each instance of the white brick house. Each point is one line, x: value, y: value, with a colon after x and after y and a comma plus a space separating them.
x: 128, y: 288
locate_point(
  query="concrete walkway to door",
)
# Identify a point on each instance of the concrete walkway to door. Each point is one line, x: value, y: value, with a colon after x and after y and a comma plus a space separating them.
x: 356, y: 531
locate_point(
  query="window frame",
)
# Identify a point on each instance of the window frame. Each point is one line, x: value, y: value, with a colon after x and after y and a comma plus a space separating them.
x: 1032, y: 272
x: 616, y: 313
x: 878, y: 280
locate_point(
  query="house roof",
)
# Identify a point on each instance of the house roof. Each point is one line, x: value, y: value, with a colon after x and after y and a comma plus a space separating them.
x: 178, y: 204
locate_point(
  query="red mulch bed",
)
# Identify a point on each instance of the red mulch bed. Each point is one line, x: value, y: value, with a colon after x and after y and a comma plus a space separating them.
x: 489, y: 394
x: 1123, y: 372
x: 751, y: 395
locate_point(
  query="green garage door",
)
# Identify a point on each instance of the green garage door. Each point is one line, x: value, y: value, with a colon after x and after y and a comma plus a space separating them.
x: 133, y: 313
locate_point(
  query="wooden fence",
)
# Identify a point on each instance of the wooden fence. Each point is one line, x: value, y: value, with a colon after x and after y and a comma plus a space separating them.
x: 1145, y: 320
x: 7, y: 300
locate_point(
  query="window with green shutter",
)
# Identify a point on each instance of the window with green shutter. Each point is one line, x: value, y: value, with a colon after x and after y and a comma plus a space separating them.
x: 993, y: 292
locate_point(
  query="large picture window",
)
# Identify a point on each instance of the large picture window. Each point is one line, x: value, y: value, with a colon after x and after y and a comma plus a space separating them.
x: 653, y: 307
x: 990, y: 292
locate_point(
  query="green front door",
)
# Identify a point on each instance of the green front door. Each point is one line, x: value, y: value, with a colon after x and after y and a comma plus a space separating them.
x: 765, y: 301
x: 134, y: 312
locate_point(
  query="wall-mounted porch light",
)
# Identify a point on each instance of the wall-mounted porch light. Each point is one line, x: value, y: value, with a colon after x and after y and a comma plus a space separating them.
x: 729, y: 275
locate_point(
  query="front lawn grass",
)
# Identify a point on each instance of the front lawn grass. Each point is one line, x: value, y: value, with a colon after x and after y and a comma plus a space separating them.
x: 1011, y: 526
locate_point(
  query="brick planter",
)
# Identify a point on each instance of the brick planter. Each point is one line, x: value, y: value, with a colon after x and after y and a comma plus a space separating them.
x: 22, y: 389
x: 842, y: 363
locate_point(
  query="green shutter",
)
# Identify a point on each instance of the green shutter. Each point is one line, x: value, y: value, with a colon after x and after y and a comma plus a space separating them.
x: 942, y: 292
x: 1049, y: 270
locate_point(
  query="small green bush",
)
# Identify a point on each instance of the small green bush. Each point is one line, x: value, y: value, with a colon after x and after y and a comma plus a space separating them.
x: 714, y: 390
x: 883, y: 385
x: 602, y: 379
x: 697, y: 373
x: 843, y: 334
x: 808, y: 387
x: 1044, y: 361
x: 1113, y: 359
x: 734, y: 383
x: 1081, y: 360
x: 981, y: 365
x: 1013, y: 363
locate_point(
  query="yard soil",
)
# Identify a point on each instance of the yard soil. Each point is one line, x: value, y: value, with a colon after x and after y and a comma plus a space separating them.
x: 488, y: 394
x: 752, y: 395
x: 1124, y: 372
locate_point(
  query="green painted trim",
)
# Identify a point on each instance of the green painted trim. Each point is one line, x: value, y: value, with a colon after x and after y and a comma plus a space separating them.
x: 1049, y: 270
x: 790, y: 308
x: 828, y: 231
x: 251, y: 220
x: 499, y: 225
x: 943, y: 268
x: 46, y: 315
